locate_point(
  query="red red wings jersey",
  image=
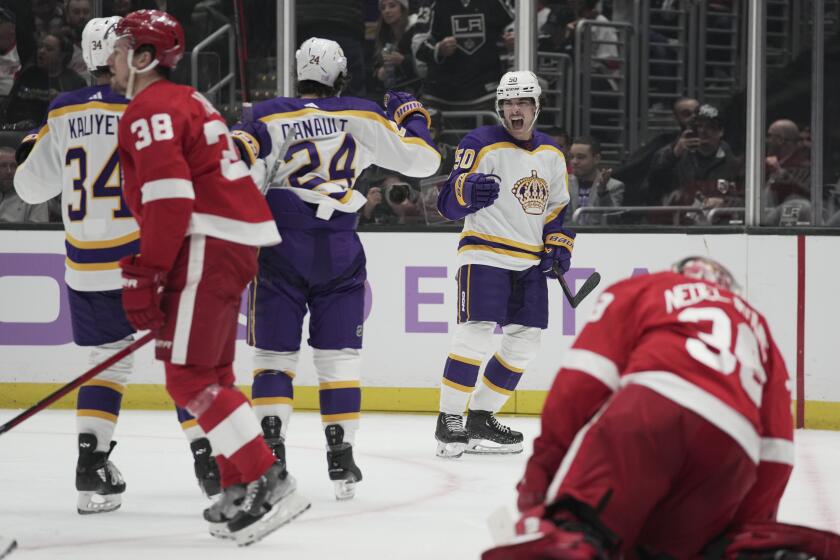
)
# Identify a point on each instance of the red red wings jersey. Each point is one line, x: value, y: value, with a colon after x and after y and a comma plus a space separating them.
x: 701, y: 346
x: 176, y: 149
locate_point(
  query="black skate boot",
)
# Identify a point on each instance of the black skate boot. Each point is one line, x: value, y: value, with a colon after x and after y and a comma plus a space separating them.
x: 223, y: 510
x: 206, y: 469
x: 271, y: 427
x: 488, y: 436
x: 97, y: 479
x: 451, y: 435
x: 343, y: 470
x: 270, y: 502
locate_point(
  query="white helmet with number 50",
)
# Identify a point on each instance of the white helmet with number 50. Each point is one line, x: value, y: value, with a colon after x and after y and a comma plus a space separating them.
x: 519, y: 84
x: 98, y: 38
x: 320, y: 60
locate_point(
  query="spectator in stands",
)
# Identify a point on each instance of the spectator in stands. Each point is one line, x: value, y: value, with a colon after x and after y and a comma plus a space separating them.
x: 787, y: 170
x: 589, y: 185
x: 343, y: 22
x: 13, y: 210
x: 39, y: 83
x: 48, y: 16
x: 634, y: 172
x: 9, y: 56
x: 555, y: 34
x: 393, y: 63
x: 699, y: 168
x: 392, y: 201
x: 76, y: 15
x: 562, y: 138
x: 124, y: 7
x: 462, y: 54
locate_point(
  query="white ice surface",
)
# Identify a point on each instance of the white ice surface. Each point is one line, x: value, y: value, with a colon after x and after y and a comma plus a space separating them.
x: 411, y: 504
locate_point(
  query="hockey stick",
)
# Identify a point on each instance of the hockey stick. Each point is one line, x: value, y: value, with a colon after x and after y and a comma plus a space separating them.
x: 89, y: 374
x: 281, y: 158
x: 590, y: 284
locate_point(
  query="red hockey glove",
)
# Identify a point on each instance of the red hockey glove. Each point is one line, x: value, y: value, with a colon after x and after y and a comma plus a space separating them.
x: 141, y: 293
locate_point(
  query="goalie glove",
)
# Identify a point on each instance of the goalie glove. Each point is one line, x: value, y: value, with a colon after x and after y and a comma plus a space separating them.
x: 141, y: 293
x: 400, y: 105
x: 476, y: 190
x: 558, y: 249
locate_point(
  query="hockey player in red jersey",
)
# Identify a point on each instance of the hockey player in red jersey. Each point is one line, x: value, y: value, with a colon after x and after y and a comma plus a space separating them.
x: 667, y: 428
x: 201, y: 218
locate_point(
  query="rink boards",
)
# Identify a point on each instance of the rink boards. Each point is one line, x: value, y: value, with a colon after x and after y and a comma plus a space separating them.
x: 410, y: 311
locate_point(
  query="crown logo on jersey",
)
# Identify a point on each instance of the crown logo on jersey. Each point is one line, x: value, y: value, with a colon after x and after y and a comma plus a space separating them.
x: 532, y: 193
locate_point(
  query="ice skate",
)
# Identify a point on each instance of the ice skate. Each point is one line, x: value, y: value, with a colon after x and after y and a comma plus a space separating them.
x: 7, y: 545
x: 488, y: 436
x: 271, y: 427
x: 342, y: 468
x: 98, y: 481
x: 223, y: 510
x: 206, y: 469
x: 451, y: 436
x: 270, y: 502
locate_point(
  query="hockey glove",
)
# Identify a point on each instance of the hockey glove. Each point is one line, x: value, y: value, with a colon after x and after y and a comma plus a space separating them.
x: 400, y: 105
x: 476, y: 190
x: 558, y: 249
x: 141, y: 293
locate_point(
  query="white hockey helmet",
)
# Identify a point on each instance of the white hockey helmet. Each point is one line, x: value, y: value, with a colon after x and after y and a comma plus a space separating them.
x: 98, y: 38
x: 320, y: 60
x: 520, y: 83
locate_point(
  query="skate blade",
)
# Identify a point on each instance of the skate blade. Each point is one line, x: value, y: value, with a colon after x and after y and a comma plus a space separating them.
x: 487, y: 447
x: 282, y: 513
x: 91, y: 502
x: 220, y: 530
x: 7, y: 545
x: 345, y: 489
x: 450, y: 450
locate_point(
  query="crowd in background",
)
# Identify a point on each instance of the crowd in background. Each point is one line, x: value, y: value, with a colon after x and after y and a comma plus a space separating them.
x: 451, y: 54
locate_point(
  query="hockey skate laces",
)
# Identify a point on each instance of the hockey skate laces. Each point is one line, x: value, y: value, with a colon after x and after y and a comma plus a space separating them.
x: 498, y: 426
x: 453, y: 422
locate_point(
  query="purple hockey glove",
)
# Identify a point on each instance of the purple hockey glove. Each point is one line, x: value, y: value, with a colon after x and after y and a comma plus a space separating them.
x: 558, y: 249
x: 476, y: 190
x: 400, y: 105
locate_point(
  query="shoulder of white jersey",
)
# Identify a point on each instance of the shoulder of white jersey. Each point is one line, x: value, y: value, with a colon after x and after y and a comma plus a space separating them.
x: 542, y: 139
x: 291, y: 107
x: 89, y: 97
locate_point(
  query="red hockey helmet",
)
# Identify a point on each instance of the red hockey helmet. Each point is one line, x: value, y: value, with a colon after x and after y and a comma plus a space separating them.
x: 705, y: 268
x: 158, y: 29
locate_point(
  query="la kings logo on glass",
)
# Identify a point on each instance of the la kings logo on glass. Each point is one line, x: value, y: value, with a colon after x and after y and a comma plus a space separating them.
x: 468, y: 30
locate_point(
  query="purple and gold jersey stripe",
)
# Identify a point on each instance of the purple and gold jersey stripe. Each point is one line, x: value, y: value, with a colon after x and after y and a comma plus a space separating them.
x: 98, y: 256
x: 501, y: 377
x: 461, y: 373
x: 99, y: 401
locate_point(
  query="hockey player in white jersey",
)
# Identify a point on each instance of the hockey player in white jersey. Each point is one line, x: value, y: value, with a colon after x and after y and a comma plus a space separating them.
x: 75, y: 154
x: 510, y: 184
x: 321, y: 262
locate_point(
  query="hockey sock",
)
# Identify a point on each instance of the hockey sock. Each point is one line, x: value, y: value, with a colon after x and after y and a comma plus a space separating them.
x: 189, y: 424
x: 233, y: 430
x: 341, y: 403
x: 97, y: 408
x: 272, y: 394
x: 499, y: 381
x: 459, y: 377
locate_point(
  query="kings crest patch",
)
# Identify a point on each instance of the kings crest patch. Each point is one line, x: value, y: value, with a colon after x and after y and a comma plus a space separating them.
x: 532, y: 193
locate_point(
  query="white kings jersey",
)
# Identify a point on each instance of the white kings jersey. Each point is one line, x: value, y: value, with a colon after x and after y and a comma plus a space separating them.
x: 75, y: 155
x: 335, y: 139
x: 533, y: 195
